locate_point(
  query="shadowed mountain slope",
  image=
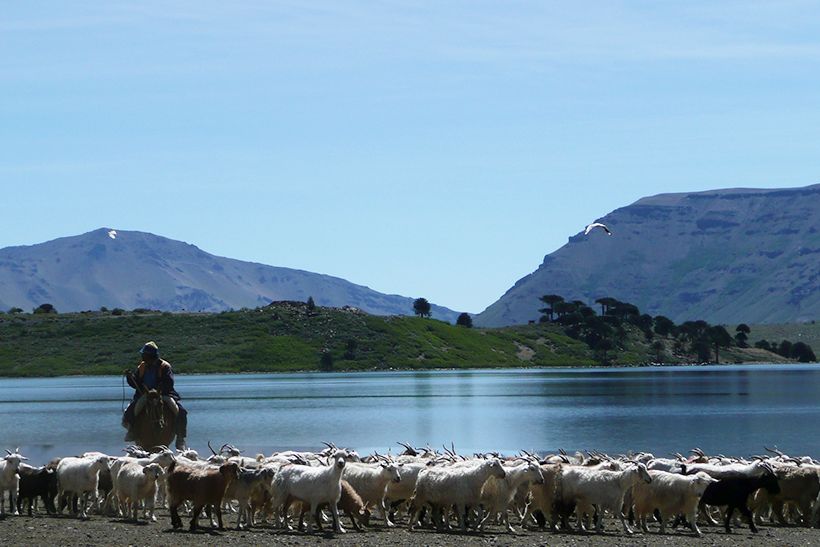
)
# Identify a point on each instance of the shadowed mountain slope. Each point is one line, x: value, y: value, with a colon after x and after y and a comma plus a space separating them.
x: 726, y: 256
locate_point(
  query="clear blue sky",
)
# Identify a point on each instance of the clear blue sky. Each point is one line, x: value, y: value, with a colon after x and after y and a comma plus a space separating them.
x: 435, y: 149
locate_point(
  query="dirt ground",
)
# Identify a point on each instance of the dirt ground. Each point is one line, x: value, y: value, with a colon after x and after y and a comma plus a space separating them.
x: 66, y: 530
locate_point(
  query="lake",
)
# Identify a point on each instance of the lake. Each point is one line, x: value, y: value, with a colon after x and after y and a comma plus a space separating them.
x: 730, y: 409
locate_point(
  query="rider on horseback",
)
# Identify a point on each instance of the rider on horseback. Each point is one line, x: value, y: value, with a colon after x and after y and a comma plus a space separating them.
x: 154, y: 373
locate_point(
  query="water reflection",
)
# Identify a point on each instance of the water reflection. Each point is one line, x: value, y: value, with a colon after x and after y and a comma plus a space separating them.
x: 729, y: 409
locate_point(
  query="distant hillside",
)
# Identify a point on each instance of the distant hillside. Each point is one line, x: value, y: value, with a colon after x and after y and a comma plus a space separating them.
x: 140, y: 270
x: 289, y: 336
x: 726, y: 256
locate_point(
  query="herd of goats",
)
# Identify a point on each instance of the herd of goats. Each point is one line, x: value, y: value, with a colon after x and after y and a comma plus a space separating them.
x: 422, y: 487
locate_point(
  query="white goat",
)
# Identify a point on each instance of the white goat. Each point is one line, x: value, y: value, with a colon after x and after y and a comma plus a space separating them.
x: 600, y: 488
x: 403, y: 490
x: 455, y: 485
x: 80, y: 476
x: 9, y: 480
x: 163, y: 458
x: 137, y: 483
x: 498, y: 494
x: 672, y: 495
x: 311, y: 485
x: 729, y: 470
x: 370, y: 481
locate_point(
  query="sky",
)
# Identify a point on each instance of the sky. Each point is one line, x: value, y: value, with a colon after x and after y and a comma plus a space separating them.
x: 428, y: 149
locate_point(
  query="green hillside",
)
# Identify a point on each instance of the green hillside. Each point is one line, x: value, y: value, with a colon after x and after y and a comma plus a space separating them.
x: 290, y: 336
x: 279, y: 337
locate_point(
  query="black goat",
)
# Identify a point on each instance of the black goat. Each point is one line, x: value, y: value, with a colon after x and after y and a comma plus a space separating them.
x: 37, y: 482
x: 735, y: 491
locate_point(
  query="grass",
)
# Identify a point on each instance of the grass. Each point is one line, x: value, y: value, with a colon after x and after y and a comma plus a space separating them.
x: 281, y: 337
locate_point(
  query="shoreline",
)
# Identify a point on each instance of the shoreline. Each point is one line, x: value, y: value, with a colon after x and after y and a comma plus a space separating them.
x: 438, y: 369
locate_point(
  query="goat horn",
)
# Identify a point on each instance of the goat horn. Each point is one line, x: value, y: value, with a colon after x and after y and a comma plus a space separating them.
x: 562, y: 451
x: 212, y: 448
x: 410, y: 449
x: 9, y: 451
x: 774, y: 450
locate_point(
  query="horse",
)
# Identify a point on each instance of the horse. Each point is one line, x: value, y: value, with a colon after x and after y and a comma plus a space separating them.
x: 154, y: 419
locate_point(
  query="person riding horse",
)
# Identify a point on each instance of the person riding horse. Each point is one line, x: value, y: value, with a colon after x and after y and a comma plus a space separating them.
x: 154, y: 373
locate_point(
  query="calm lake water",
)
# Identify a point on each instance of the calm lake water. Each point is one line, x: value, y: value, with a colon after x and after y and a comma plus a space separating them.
x: 726, y: 409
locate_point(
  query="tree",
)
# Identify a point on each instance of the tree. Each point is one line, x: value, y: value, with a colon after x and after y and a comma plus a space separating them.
x: 464, y: 320
x: 326, y: 360
x: 551, y: 300
x: 603, y: 346
x: 785, y: 348
x: 625, y: 311
x: 606, y: 302
x: 720, y: 337
x: 15, y: 310
x: 563, y: 308
x: 702, y: 348
x: 742, y: 335
x: 663, y: 325
x: 657, y: 347
x: 45, y: 308
x: 421, y: 307
x: 350, y: 349
x: 803, y: 352
x: 311, y: 305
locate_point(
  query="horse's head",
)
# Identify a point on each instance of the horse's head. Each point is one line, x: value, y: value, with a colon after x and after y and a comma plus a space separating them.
x: 154, y: 406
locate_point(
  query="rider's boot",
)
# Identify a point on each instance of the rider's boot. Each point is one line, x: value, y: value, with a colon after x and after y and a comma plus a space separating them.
x: 181, y: 430
x: 129, y: 435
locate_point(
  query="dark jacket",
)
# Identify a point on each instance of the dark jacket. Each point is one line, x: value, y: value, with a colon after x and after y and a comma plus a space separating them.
x: 165, y: 381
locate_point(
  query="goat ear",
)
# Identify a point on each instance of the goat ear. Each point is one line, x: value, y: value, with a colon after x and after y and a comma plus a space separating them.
x: 383, y: 464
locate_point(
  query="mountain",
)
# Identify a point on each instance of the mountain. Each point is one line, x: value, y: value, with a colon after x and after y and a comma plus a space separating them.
x: 726, y: 256
x: 131, y: 270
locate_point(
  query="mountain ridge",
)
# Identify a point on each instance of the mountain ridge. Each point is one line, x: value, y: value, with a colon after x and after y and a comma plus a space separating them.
x: 134, y: 269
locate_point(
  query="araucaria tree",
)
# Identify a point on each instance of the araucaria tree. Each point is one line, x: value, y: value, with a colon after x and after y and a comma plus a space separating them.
x: 551, y: 300
x: 742, y: 335
x: 720, y: 337
x: 464, y: 320
x: 421, y: 307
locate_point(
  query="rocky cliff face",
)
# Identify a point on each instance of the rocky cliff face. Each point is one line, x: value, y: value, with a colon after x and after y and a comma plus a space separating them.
x: 140, y: 270
x: 726, y: 256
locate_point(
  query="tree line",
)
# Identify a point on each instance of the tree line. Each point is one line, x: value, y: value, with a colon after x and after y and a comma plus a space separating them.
x: 609, y: 330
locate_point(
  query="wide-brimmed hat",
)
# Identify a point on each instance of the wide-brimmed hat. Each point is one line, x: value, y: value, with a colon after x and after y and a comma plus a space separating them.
x: 150, y: 348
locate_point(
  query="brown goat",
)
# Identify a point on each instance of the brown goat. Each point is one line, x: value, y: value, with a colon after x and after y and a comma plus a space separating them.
x: 799, y: 486
x: 545, y: 496
x: 204, y: 487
